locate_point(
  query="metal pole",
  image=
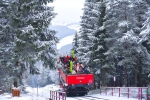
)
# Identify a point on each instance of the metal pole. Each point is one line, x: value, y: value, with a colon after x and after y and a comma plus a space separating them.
x: 119, y: 92
x: 56, y: 94
x: 100, y: 90
x: 147, y: 94
x: 112, y: 91
x: 50, y: 95
x: 114, y: 80
x: 128, y: 93
x: 37, y: 89
x: 63, y: 96
x: 59, y: 95
x: 141, y: 93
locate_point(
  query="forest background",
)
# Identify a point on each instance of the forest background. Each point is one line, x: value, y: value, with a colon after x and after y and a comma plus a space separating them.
x: 113, y: 41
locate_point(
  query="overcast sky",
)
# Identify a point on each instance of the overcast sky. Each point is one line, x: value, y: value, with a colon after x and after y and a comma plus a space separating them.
x: 68, y: 10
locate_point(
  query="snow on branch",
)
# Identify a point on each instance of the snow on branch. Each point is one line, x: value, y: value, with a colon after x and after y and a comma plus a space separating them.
x: 123, y: 24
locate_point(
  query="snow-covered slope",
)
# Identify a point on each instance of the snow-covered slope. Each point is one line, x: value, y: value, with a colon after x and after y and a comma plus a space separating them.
x: 65, y: 41
x: 65, y: 32
x: 65, y: 50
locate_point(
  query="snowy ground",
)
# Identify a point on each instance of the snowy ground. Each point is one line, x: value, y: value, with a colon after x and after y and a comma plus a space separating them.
x: 43, y: 94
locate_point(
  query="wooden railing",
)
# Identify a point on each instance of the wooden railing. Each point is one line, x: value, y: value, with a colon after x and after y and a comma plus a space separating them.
x: 57, y: 95
x: 139, y: 92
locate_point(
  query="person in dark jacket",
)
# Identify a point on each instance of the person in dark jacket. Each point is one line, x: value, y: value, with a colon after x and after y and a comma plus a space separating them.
x: 85, y: 69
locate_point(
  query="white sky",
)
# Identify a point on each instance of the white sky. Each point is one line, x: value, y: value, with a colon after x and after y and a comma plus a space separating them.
x: 68, y: 10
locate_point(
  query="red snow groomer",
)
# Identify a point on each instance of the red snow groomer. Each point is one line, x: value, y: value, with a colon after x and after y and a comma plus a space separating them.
x: 75, y: 79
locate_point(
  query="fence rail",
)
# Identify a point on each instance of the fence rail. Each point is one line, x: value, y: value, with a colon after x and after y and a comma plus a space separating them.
x: 57, y: 95
x: 140, y: 92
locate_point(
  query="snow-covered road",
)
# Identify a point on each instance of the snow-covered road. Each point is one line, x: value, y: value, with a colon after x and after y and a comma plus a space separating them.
x: 93, y: 97
x: 44, y: 94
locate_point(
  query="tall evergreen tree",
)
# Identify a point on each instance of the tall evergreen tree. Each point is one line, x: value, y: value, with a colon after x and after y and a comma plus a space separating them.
x: 140, y: 7
x: 87, y: 25
x: 75, y: 44
x: 145, y: 37
x: 32, y: 41
x: 6, y: 44
x: 115, y: 29
x: 97, y: 57
x: 120, y: 22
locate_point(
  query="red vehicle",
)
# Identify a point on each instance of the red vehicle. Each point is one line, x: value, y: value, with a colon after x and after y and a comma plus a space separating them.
x: 75, y: 84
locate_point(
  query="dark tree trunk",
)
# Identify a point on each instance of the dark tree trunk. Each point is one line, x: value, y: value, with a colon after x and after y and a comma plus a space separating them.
x: 125, y: 76
x: 104, y: 77
x: 136, y: 71
x: 15, y: 84
x: 135, y: 76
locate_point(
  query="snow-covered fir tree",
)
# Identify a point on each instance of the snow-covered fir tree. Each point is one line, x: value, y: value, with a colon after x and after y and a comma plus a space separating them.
x: 115, y: 14
x: 139, y: 8
x: 92, y: 33
x: 97, y: 57
x: 145, y: 33
x: 6, y: 44
x: 87, y: 26
x: 32, y: 40
x: 88, y: 23
x: 114, y: 28
x: 120, y: 20
x: 75, y: 44
x: 145, y: 36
